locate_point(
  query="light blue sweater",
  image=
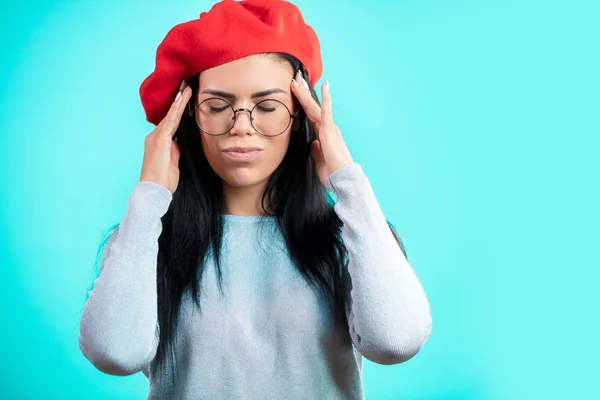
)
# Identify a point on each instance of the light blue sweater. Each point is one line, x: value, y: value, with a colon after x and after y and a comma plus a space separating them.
x: 272, y: 336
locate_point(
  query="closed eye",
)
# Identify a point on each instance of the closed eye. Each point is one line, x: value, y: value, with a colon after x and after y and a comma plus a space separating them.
x: 266, y: 109
x: 218, y: 109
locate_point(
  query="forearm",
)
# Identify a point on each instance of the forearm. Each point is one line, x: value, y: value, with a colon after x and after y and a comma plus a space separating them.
x: 119, y: 319
x: 389, y: 315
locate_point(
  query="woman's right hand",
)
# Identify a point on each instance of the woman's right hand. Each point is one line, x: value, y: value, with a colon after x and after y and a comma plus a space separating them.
x: 161, y: 152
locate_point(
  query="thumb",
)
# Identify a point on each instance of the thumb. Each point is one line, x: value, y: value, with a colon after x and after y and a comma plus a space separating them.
x: 317, y: 153
x: 175, y: 152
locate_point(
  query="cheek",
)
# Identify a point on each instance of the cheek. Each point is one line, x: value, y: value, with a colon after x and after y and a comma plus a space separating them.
x: 277, y: 148
x: 214, y: 156
x: 280, y: 143
x: 211, y: 150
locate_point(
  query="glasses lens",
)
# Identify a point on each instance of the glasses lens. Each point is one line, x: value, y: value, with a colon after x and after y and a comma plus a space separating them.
x: 270, y: 117
x: 214, y: 116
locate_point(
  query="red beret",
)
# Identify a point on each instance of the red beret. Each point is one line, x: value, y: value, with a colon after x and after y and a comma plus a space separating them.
x: 230, y: 30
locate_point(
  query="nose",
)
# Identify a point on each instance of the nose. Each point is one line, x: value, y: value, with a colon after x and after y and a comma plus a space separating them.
x: 242, y: 124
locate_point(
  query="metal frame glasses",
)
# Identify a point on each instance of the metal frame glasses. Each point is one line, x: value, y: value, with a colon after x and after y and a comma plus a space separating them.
x: 193, y: 113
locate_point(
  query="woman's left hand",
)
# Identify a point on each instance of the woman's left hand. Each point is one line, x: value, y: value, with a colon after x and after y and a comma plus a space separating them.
x: 329, y: 150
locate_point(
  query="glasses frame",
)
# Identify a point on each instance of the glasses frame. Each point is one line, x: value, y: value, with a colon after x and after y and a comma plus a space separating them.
x: 193, y: 114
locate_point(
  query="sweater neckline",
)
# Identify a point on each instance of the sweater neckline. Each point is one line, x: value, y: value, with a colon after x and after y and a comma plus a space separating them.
x: 248, y: 218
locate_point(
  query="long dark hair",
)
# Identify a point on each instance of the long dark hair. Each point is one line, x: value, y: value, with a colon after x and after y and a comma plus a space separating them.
x: 192, y: 226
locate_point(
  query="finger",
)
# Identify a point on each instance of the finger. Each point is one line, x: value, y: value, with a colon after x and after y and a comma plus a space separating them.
x: 317, y: 153
x: 337, y: 130
x: 302, y: 93
x: 175, y: 153
x: 173, y: 117
x: 174, y: 103
x: 326, y: 113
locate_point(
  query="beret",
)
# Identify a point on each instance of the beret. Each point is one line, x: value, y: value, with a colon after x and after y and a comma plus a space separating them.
x: 230, y: 30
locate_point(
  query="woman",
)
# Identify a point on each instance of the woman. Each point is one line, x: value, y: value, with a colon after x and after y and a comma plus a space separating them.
x: 232, y: 275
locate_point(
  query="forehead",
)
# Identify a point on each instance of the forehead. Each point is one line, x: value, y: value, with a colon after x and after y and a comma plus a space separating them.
x: 247, y: 74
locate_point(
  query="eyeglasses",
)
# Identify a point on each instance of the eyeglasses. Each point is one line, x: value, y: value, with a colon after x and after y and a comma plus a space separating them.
x: 216, y: 116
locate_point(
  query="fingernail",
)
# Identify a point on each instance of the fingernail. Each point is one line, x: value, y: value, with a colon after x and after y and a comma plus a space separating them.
x: 182, y: 87
x: 304, y: 83
x: 327, y: 86
x: 295, y: 82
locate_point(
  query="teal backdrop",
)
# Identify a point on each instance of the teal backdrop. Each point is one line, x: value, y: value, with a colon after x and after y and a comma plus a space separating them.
x: 477, y: 123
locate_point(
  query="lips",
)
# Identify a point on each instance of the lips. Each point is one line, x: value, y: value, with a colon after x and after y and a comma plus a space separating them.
x: 240, y: 149
x: 242, y: 154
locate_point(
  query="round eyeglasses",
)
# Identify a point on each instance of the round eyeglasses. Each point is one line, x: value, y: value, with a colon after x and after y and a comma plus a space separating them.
x: 216, y: 116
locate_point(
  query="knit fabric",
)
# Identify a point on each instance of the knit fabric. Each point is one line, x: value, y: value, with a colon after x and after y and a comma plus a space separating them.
x: 272, y: 336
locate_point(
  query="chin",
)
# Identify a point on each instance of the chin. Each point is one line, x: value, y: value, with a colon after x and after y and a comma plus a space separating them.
x: 242, y: 176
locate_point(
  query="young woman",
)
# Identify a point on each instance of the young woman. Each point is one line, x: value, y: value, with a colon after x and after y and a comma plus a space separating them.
x: 233, y: 274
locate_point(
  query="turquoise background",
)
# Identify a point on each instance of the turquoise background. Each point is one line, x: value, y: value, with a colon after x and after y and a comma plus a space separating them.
x: 475, y: 121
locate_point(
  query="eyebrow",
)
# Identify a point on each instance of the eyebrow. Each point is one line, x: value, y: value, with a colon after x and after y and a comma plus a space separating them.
x: 227, y: 95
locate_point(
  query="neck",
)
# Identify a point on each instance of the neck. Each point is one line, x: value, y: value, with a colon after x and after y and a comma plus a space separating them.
x: 244, y: 200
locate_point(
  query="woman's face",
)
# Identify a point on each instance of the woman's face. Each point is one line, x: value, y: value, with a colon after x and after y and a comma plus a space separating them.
x: 240, y: 82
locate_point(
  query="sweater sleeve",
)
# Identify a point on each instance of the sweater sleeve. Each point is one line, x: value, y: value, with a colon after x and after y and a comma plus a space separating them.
x: 388, y: 311
x: 119, y: 322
